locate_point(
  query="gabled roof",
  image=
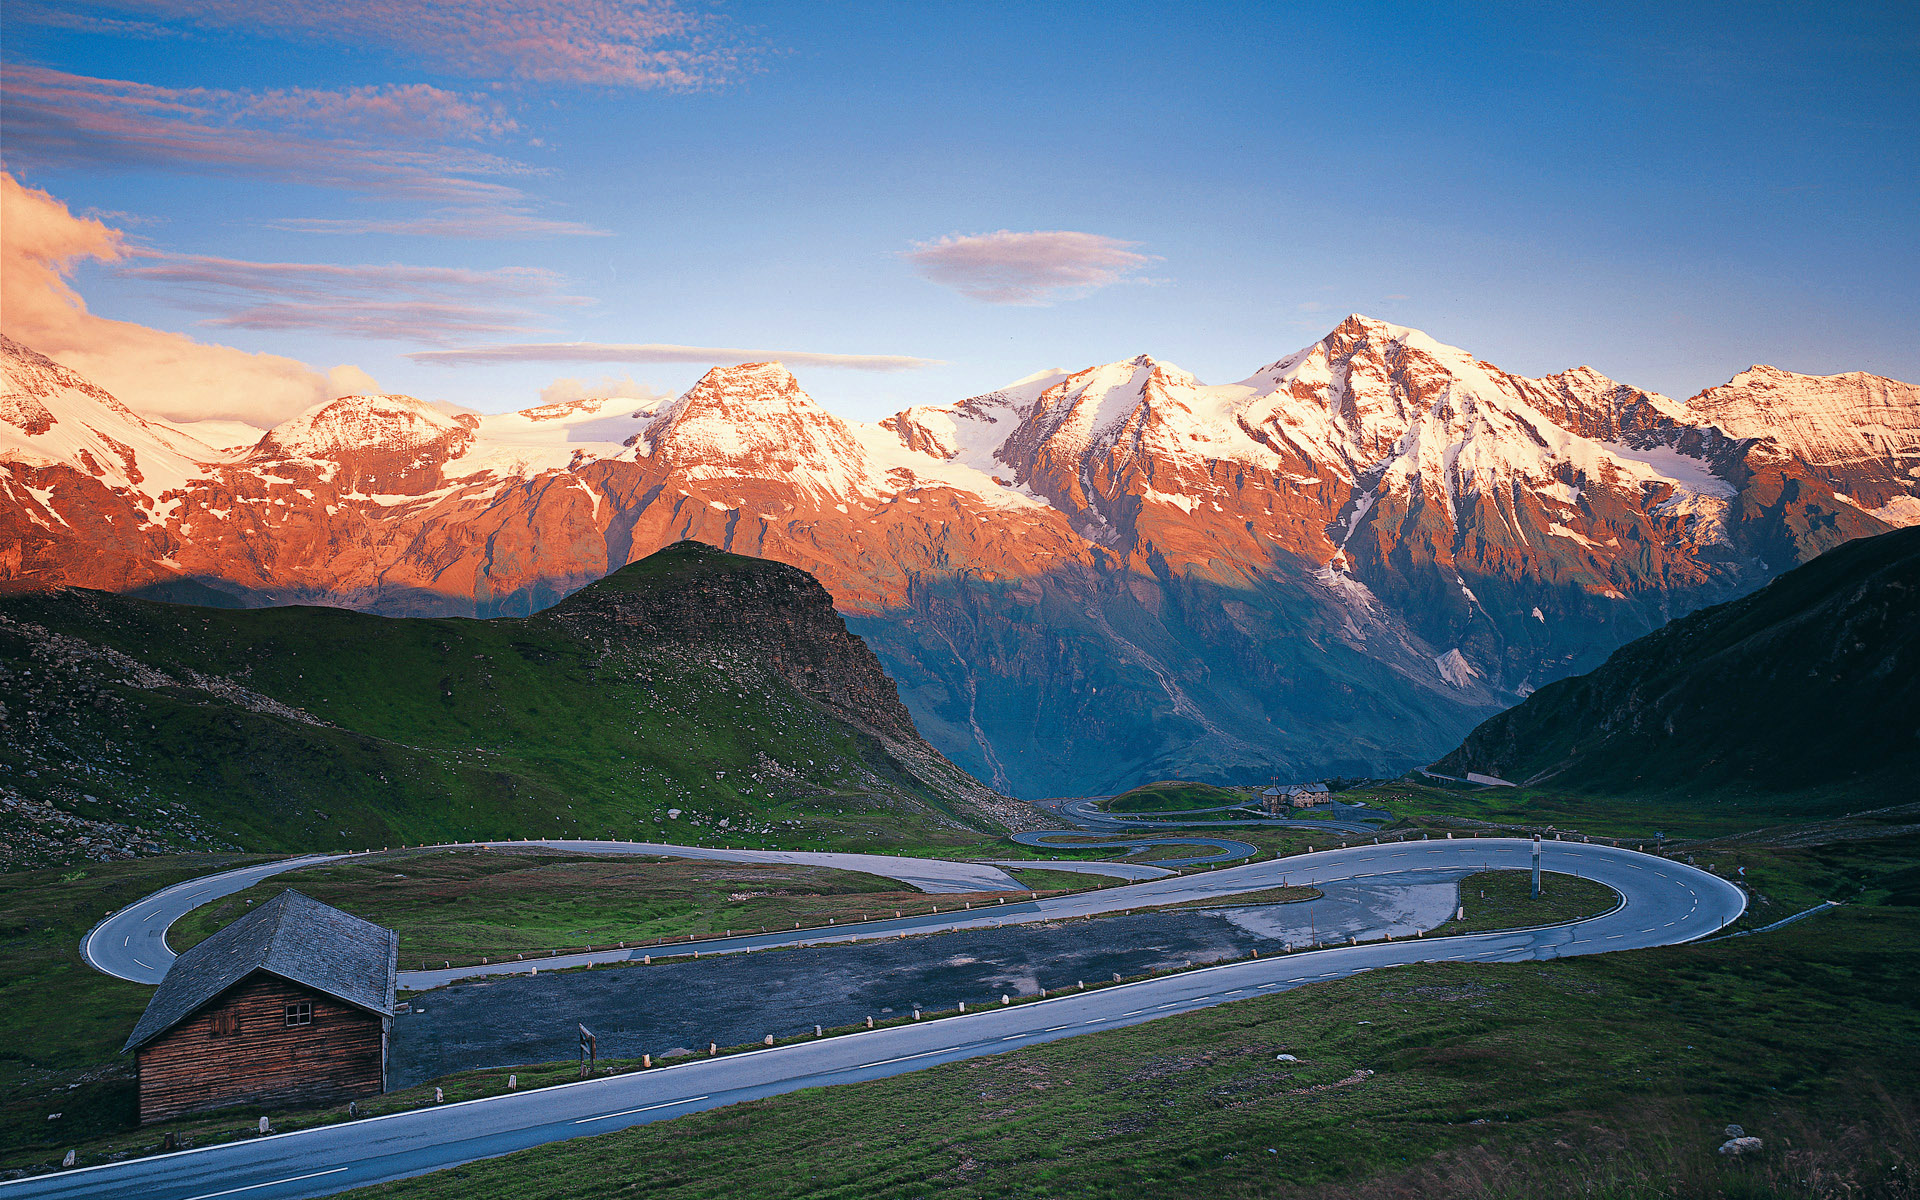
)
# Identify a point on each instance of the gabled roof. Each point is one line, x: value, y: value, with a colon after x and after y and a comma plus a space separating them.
x: 292, y: 936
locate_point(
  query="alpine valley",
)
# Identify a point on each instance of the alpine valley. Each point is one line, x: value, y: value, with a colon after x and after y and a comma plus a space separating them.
x: 1086, y: 580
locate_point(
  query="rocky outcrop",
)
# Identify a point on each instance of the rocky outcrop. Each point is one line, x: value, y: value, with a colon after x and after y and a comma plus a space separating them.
x: 758, y: 614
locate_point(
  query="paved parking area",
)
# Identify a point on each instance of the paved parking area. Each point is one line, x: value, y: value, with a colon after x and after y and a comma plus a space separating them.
x: 739, y: 998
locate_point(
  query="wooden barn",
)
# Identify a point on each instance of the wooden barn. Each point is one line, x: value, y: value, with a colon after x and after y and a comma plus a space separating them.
x: 289, y: 1005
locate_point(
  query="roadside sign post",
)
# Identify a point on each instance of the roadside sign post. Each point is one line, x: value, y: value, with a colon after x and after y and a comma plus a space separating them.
x: 589, y: 1051
x: 1536, y: 866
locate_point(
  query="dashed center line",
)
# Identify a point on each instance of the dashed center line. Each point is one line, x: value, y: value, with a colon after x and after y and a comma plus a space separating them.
x: 269, y: 1183
x: 627, y: 1112
x: 903, y: 1058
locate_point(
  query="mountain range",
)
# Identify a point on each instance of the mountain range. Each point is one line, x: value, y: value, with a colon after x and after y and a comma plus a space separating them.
x: 1087, y: 579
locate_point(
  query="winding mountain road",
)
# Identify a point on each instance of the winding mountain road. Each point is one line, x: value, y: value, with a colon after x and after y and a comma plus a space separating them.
x: 1662, y: 903
x: 1085, y: 811
x: 132, y: 943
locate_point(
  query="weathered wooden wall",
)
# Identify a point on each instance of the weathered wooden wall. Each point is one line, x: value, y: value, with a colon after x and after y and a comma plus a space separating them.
x: 188, y: 1068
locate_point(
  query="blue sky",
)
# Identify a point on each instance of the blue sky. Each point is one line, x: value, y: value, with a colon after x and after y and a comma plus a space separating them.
x: 1667, y: 193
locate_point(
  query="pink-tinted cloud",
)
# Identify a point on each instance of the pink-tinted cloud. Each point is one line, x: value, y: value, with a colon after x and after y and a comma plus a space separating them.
x: 1026, y: 268
x: 161, y: 373
x: 381, y: 140
x: 473, y: 221
x: 613, y: 43
x: 391, y: 302
x: 568, y: 389
x: 400, y: 111
x: 655, y: 352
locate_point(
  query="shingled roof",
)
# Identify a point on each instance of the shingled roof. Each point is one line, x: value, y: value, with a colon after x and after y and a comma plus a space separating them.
x: 292, y: 936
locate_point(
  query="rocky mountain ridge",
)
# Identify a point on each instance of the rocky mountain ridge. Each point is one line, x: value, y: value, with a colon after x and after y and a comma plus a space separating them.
x: 1085, y: 579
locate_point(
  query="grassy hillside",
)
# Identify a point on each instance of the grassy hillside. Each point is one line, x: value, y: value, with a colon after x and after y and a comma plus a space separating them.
x: 1172, y: 796
x: 1800, y: 700
x: 667, y: 686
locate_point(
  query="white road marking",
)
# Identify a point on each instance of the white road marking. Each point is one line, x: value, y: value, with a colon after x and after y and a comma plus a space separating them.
x: 1058, y: 1028
x: 269, y: 1183
x: 629, y: 1112
x: 903, y: 1058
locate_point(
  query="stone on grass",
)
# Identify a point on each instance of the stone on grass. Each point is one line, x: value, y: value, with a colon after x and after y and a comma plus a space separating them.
x: 1734, y: 1147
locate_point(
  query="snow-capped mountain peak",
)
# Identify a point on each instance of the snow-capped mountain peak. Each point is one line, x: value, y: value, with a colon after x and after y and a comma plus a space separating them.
x: 51, y: 416
x: 359, y: 423
x: 754, y: 422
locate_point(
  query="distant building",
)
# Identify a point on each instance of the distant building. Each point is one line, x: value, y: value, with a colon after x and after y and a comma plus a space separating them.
x: 289, y: 1005
x: 1282, y: 797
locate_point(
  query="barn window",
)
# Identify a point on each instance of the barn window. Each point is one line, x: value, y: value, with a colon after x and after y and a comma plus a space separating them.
x: 299, y: 1014
x: 226, y: 1024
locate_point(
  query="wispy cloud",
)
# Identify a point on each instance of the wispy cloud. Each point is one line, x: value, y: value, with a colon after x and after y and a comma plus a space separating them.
x: 389, y: 302
x: 496, y: 220
x: 153, y: 370
x: 654, y: 352
x: 609, y: 43
x: 568, y: 389
x: 1026, y: 268
x: 394, y: 142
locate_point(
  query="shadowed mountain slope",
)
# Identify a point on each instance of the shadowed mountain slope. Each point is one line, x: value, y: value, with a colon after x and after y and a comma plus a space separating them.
x: 1802, y: 697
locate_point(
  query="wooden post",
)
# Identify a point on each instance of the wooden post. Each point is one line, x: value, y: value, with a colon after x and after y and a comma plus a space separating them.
x: 589, y: 1051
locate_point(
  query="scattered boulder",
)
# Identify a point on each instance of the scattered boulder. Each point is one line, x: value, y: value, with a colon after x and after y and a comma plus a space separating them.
x: 1285, y: 1058
x: 1734, y: 1147
x: 1734, y: 1131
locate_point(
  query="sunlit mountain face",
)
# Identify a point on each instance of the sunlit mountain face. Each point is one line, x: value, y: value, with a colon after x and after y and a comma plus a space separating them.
x: 1085, y: 579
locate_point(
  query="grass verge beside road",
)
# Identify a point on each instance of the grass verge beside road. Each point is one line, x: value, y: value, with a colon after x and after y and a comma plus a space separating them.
x: 1604, y: 1075
x: 1504, y: 900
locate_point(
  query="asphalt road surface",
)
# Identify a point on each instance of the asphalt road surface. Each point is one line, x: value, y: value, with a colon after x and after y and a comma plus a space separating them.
x: 132, y: 943
x: 1082, y: 811
x: 1224, y: 849
x: 1664, y: 902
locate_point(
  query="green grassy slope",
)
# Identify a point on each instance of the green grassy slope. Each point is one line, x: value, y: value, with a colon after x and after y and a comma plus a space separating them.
x: 1173, y: 795
x: 312, y: 728
x: 1800, y: 700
